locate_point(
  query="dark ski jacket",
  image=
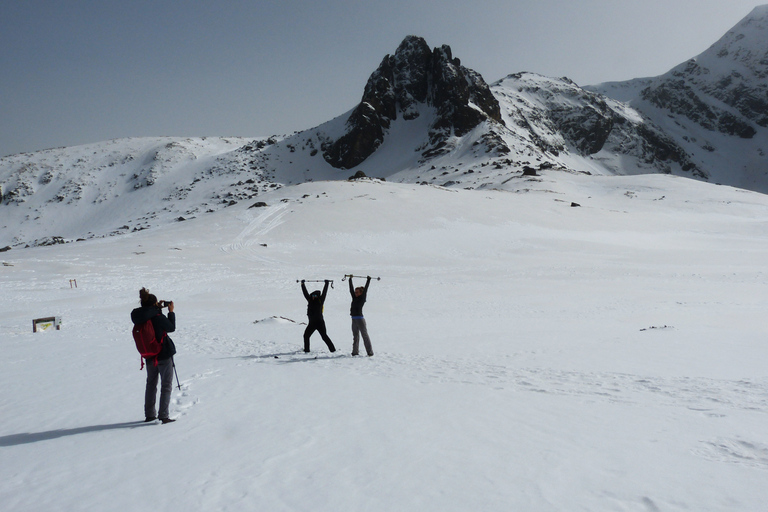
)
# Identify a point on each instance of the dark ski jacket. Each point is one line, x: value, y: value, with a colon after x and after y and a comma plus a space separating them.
x: 356, y: 311
x: 162, y: 326
x: 315, y: 305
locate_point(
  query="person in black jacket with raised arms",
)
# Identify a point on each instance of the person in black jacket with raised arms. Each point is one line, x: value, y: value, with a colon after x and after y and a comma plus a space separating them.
x: 359, y: 296
x: 316, y: 322
x: 161, y: 365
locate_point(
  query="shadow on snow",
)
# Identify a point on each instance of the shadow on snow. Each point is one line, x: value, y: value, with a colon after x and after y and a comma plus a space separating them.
x: 297, y: 356
x: 34, y: 437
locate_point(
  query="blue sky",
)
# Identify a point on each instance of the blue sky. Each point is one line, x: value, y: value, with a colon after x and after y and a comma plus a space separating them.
x: 77, y: 72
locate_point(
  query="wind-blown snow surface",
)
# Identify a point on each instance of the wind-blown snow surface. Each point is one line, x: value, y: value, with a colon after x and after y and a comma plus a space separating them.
x: 530, y: 355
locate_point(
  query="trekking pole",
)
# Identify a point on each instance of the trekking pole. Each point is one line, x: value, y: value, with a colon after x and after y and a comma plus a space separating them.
x: 176, y: 373
x: 316, y: 281
x: 360, y: 277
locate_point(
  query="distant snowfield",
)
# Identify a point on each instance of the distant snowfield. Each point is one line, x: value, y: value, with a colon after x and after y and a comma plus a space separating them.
x: 530, y: 355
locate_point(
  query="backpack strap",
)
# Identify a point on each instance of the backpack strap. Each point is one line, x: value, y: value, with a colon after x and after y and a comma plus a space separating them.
x: 162, y: 339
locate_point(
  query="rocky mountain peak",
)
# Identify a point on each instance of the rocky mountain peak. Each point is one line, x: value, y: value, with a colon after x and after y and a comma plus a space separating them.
x: 724, y: 89
x: 406, y: 81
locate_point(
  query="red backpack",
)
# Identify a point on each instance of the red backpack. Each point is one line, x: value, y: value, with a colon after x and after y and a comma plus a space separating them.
x: 146, y: 341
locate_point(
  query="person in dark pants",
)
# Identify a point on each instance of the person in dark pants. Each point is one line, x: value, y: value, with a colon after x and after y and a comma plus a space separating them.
x: 316, y: 322
x: 160, y: 366
x: 359, y: 296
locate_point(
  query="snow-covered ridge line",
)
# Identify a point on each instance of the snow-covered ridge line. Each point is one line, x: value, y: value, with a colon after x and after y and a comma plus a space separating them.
x: 122, y: 185
x: 424, y: 118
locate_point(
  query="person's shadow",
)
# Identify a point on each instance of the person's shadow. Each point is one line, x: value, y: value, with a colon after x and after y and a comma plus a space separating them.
x: 34, y: 437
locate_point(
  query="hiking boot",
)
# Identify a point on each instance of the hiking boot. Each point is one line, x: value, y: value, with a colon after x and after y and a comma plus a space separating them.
x: 166, y: 420
x: 147, y: 420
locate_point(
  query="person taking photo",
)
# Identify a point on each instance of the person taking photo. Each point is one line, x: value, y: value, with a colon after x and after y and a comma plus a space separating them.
x: 161, y: 365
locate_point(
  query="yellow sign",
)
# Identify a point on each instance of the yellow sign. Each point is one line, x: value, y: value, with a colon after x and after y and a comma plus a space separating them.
x: 46, y: 324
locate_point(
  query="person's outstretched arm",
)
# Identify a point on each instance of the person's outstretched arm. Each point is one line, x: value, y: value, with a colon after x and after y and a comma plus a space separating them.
x: 169, y: 322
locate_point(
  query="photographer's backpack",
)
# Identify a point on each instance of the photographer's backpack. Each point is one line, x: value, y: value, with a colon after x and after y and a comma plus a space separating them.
x: 146, y: 341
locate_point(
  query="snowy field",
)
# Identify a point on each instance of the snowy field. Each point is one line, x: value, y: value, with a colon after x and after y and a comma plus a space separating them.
x: 530, y: 355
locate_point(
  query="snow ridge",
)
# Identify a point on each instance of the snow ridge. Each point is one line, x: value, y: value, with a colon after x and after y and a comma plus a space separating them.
x: 424, y: 118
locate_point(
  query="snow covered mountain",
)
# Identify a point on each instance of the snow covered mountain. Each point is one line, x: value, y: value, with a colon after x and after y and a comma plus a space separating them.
x: 426, y: 118
x: 423, y: 118
x: 117, y: 186
x: 715, y: 106
x: 560, y: 320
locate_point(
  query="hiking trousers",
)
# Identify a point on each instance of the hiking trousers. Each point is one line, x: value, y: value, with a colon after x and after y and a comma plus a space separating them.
x: 163, y: 371
x: 359, y: 328
x: 317, y: 324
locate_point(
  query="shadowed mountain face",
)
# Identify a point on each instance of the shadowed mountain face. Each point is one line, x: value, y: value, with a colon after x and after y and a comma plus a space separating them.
x: 413, y: 77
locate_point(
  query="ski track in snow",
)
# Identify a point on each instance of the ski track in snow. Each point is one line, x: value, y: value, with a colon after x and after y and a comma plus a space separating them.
x: 244, y: 243
x: 735, y: 451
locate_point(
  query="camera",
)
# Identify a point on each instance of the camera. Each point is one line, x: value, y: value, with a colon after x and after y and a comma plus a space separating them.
x: 164, y: 303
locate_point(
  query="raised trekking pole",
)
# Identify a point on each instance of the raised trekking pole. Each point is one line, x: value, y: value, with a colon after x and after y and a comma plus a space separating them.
x: 316, y: 281
x: 176, y: 373
x: 360, y: 277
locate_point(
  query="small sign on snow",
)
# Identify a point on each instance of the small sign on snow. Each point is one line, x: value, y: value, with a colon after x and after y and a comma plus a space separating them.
x: 46, y: 324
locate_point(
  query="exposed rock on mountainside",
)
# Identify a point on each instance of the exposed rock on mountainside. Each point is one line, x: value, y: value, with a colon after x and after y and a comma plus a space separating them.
x: 414, y: 75
x: 711, y: 101
x: 423, y: 118
x: 562, y: 119
x: 733, y: 72
x: 677, y: 95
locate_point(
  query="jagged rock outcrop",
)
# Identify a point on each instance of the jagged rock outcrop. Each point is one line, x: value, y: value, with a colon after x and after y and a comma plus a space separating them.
x: 413, y: 77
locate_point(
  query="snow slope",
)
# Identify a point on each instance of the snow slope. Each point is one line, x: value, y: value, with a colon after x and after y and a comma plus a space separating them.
x: 530, y: 355
x: 119, y: 186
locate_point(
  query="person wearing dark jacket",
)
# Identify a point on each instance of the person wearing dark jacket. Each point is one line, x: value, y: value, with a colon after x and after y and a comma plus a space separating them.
x: 161, y: 365
x: 359, y: 296
x: 316, y: 322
